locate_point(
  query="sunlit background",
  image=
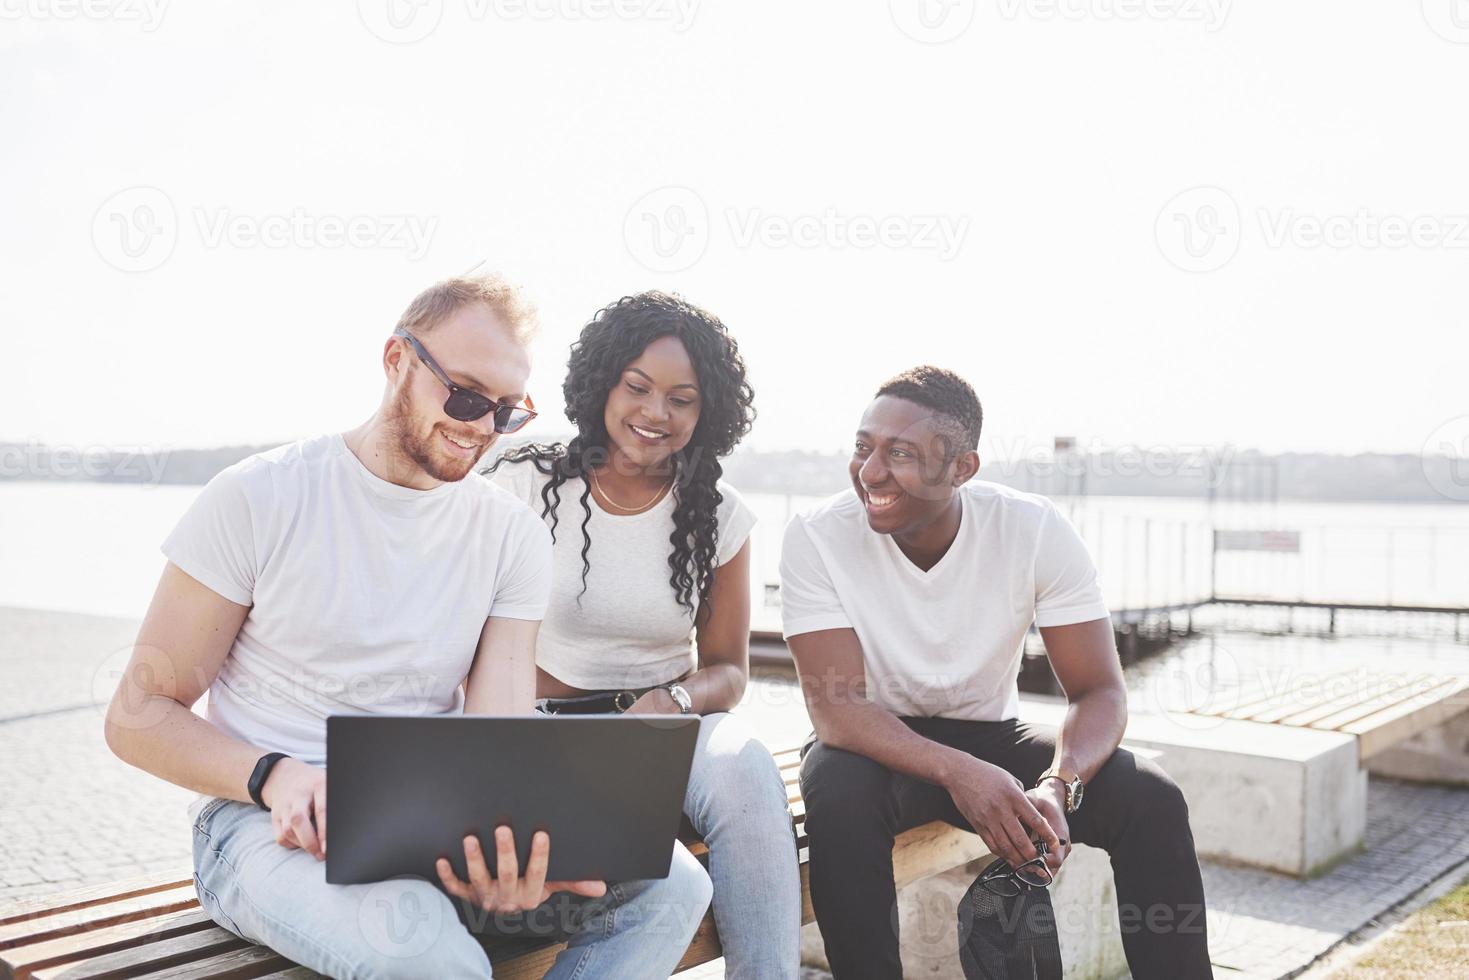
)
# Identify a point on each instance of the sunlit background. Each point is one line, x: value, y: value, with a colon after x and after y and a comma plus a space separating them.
x: 1111, y: 221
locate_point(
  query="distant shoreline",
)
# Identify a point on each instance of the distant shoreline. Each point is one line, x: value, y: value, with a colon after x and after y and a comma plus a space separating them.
x: 1228, y: 475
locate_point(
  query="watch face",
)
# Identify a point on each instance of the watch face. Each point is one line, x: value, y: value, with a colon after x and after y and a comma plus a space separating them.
x: 1076, y: 790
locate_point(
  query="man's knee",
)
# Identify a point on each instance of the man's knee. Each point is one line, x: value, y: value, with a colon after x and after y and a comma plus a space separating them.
x: 1162, y: 795
x: 1151, y: 797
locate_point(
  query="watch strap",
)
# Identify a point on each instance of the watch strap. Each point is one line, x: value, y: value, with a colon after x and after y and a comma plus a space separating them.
x: 260, y: 775
x: 1068, y: 779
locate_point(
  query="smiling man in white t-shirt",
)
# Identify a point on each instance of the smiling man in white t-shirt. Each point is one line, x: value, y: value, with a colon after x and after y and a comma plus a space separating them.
x: 906, y: 601
x: 371, y: 571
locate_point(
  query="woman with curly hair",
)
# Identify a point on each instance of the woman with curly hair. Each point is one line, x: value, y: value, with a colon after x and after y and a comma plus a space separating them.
x: 650, y: 596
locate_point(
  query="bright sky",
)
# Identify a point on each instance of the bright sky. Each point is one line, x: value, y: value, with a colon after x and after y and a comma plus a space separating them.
x: 851, y: 197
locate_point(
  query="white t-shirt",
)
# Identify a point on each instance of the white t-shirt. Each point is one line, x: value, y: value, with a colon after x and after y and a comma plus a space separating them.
x: 364, y: 596
x: 628, y: 631
x: 946, y: 642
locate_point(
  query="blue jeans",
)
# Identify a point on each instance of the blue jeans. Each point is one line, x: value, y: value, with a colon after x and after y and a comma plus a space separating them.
x: 408, y: 927
x: 737, y: 802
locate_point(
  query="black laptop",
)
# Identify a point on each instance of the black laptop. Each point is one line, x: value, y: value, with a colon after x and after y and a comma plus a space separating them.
x: 404, y: 791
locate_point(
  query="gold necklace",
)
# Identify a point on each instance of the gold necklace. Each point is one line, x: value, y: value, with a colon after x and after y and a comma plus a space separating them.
x: 629, y: 510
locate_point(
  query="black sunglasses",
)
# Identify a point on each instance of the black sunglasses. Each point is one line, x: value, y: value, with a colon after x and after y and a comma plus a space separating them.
x: 466, y: 405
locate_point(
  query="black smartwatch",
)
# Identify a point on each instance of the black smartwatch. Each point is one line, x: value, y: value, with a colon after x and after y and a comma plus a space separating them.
x: 261, y: 774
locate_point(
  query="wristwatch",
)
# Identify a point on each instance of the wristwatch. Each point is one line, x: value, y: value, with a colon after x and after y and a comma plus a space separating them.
x: 1073, y: 783
x: 680, y: 697
x: 260, y: 775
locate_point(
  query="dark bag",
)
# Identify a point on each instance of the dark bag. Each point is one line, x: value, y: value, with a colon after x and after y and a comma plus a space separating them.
x: 1008, y: 937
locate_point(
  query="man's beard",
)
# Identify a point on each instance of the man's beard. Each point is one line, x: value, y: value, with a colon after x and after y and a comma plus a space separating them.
x: 424, y: 453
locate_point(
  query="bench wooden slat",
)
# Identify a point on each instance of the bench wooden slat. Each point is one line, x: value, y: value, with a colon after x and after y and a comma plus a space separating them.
x: 27, y: 959
x: 95, y: 915
x: 1288, y: 702
x: 175, y: 951
x: 1363, y: 696
x: 78, y: 898
x: 1385, y: 728
x: 1408, y: 695
x: 237, y: 964
x: 1240, y: 699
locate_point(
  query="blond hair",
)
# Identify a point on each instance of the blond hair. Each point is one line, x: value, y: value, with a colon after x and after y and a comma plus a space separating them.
x: 441, y: 300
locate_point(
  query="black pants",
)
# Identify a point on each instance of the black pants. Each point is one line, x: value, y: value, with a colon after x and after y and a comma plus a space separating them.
x: 1131, y: 809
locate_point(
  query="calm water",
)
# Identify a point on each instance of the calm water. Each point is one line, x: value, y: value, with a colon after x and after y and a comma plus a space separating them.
x: 92, y: 547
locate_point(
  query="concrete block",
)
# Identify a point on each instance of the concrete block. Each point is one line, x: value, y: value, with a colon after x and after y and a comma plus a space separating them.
x: 1292, y: 800
x: 928, y: 921
x: 1438, y: 755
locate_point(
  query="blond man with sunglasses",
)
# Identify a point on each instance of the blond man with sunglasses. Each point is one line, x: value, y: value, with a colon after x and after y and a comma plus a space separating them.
x: 369, y: 571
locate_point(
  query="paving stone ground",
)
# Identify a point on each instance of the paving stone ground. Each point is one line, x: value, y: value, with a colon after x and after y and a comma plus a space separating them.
x: 71, y: 814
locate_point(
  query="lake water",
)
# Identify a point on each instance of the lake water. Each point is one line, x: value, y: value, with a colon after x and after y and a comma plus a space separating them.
x: 93, y: 547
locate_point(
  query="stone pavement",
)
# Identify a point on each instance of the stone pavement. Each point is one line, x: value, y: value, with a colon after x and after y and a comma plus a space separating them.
x: 71, y: 814
x: 1267, y: 925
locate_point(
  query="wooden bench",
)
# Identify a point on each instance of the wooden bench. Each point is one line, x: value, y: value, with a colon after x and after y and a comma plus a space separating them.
x: 1380, y: 713
x: 153, y: 927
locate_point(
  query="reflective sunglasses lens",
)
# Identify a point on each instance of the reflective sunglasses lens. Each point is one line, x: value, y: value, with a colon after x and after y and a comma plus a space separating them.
x: 508, y: 418
x: 466, y: 406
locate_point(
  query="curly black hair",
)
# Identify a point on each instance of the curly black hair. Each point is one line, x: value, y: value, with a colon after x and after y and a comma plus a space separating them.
x: 616, y: 336
x: 947, y: 394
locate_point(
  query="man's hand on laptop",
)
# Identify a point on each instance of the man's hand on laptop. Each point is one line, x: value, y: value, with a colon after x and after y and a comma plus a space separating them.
x: 1000, y: 811
x: 508, y: 891
x: 296, y: 795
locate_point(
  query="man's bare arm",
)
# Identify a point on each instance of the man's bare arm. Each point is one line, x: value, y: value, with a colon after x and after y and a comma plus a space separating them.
x: 187, y: 633
x: 834, y: 684
x: 185, y: 637
x: 833, y: 681
x: 502, y: 678
x: 1084, y: 657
